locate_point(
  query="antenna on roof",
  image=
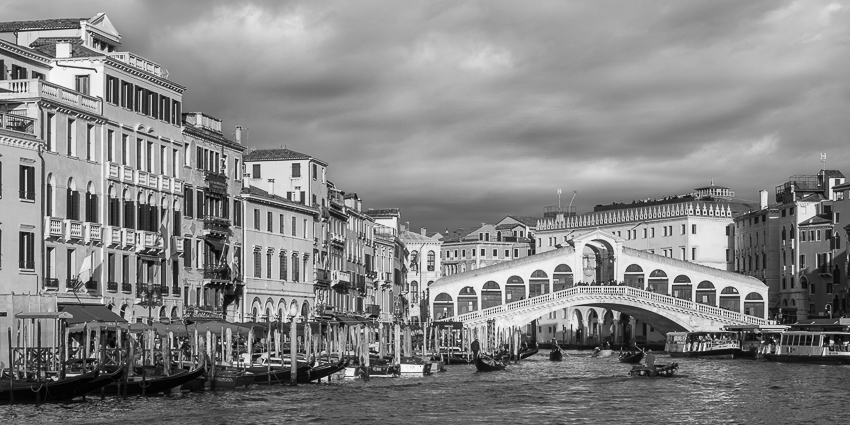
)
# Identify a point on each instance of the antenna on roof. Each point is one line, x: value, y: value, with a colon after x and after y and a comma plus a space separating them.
x: 823, y: 160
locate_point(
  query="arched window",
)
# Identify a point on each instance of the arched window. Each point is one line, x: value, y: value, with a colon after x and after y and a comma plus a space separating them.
x: 129, y: 210
x: 296, y: 274
x: 467, y: 300
x: 658, y: 282
x: 72, y: 201
x: 414, y: 261
x: 562, y: 278
x: 514, y: 289
x: 634, y: 276
x: 431, y: 258
x: 706, y: 294
x: 51, y: 202
x: 491, y: 295
x: 538, y: 284
x: 91, y: 204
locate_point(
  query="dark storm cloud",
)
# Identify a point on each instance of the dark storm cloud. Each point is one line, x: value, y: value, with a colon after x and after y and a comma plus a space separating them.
x: 464, y: 112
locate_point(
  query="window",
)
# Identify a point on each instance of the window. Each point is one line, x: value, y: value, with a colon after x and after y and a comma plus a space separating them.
x: 283, y: 265
x: 72, y: 138
x: 802, y: 261
x: 268, y: 265
x: 81, y: 84
x: 256, y: 219
x: 296, y: 170
x: 255, y: 173
x: 50, y: 132
x: 26, y: 251
x: 200, y: 205
x: 187, y: 201
x: 295, y: 274
x: 258, y: 265
x: 431, y: 260
x: 90, y: 142
x: 187, y: 255
x: 91, y: 207
x: 282, y: 224
x: 237, y: 213
x: 683, y: 229
x: 693, y: 229
x: 18, y: 72
x: 27, y: 183
x: 293, y: 226
x: 315, y: 171
x: 694, y: 254
x: 304, y: 235
x: 176, y: 116
x: 269, y: 223
x: 112, y: 90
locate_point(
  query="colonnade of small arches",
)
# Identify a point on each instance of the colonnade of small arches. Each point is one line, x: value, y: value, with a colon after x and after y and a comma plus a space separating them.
x: 272, y: 309
x: 492, y: 293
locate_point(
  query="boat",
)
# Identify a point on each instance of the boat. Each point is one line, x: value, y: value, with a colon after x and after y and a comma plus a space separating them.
x: 602, y: 353
x: 488, y: 364
x: 714, y: 344
x: 528, y: 352
x: 756, y: 340
x: 323, y: 371
x: 556, y: 354
x: 660, y: 370
x: 155, y: 385
x: 633, y: 358
x: 815, y: 347
x: 282, y: 375
x: 411, y: 367
x: 101, y: 381
x: 385, y: 370
x: 228, y: 379
x: 26, y: 391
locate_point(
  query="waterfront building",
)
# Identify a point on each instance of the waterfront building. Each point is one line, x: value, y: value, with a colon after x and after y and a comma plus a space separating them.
x: 208, y: 230
x: 359, y: 256
x: 391, y: 265
x: 757, y: 246
x: 840, y: 303
x: 119, y: 132
x: 423, y: 269
x: 279, y: 242
x: 486, y: 245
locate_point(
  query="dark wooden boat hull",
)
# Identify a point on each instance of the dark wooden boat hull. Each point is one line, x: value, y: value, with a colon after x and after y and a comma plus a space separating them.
x: 101, y: 381
x: 821, y: 360
x: 48, y: 391
x: 157, y: 384
x: 281, y: 376
x: 660, y: 371
x: 556, y: 355
x: 322, y: 371
x: 450, y: 359
x: 528, y: 353
x: 482, y: 365
x: 632, y: 358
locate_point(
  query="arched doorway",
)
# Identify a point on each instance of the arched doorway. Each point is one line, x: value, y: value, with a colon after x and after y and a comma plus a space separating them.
x: 491, y: 295
x: 659, y: 282
x: 592, y: 326
x: 634, y: 276
x: 754, y: 304
x: 730, y: 299
x: 706, y: 294
x: 682, y: 288
x: 562, y: 278
x: 514, y: 289
x: 538, y: 284
x: 609, y: 330
x: 443, y: 306
x: 577, y: 328
x: 467, y: 300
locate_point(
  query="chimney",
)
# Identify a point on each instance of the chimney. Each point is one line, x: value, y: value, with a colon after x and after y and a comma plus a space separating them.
x: 403, y: 227
x: 63, y: 50
x: 763, y: 199
x: 271, y: 187
x: 422, y: 231
x: 239, y: 134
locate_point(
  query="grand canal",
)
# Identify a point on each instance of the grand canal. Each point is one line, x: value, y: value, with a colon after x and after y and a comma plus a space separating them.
x: 578, y: 390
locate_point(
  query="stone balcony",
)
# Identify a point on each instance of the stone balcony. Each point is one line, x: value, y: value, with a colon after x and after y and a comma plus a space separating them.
x: 73, y: 229
x: 19, y: 123
x: 36, y: 88
x: 54, y: 228
x: 139, y: 62
x: 111, y: 235
x: 93, y: 232
x: 128, y: 237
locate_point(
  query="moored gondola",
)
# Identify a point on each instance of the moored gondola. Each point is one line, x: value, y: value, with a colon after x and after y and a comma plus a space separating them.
x: 528, y: 353
x: 157, y: 384
x: 45, y: 391
x: 488, y: 364
x: 556, y: 355
x: 101, y: 381
x: 633, y: 358
x: 659, y: 370
x: 322, y: 371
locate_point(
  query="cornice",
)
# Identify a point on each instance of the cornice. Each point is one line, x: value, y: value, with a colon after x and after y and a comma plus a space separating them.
x: 17, y: 142
x: 29, y: 54
x: 115, y: 63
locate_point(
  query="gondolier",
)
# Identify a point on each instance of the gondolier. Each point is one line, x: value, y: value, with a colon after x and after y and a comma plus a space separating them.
x: 476, y: 347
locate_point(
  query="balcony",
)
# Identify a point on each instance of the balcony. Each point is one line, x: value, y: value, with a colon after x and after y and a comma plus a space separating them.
x: 175, y: 290
x: 216, y: 182
x: 198, y: 312
x: 91, y: 286
x: 128, y: 237
x: 373, y: 310
x: 164, y: 184
x: 177, y: 244
x: 93, y: 232
x: 141, y: 178
x: 19, y: 123
x: 146, y: 241
x: 127, y: 288
x: 51, y: 283
x: 73, y: 229
x: 216, y: 273
x: 139, y: 62
x: 153, y: 181
x: 111, y: 235
x: 26, y: 265
x: 17, y: 89
x: 176, y: 186
x: 53, y: 228
x: 113, y: 171
x: 216, y: 227
x: 127, y: 173
x: 163, y: 289
x: 112, y: 286
x: 341, y: 276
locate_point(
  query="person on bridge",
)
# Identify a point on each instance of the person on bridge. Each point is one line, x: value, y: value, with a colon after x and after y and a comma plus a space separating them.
x: 476, y: 347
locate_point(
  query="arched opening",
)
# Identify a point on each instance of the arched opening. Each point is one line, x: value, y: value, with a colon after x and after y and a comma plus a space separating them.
x: 603, y: 253
x: 163, y: 313
x: 414, y: 261
x: 514, y: 289
x: 305, y: 309
x: 124, y: 312
x: 754, y: 304
x: 592, y: 326
x: 634, y: 276
x: 538, y: 284
x: 609, y: 330
x: 91, y: 204
x: 682, y: 288
x: 175, y: 313
x: 443, y: 306
x: 562, y: 278
x: 467, y: 300
x: 658, y: 282
x: 72, y: 201
x: 431, y: 261
x: 577, y: 328
x: 491, y: 295
x: 730, y: 299
x: 414, y: 292
x: 50, y: 195
x: 706, y: 294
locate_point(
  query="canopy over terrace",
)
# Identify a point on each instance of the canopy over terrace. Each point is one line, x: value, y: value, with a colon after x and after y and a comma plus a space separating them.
x: 90, y: 316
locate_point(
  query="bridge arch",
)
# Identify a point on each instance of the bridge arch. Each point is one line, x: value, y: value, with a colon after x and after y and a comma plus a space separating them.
x: 562, y: 278
x: 659, y: 282
x: 491, y: 295
x: 514, y: 289
x: 444, y: 306
x: 467, y: 300
x: 706, y: 294
x: 580, y: 330
x: 538, y: 284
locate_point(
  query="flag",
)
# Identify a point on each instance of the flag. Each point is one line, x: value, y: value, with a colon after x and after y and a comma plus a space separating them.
x: 85, y: 273
x: 163, y: 231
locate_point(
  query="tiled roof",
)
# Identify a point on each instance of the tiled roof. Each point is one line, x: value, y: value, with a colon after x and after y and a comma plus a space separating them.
x: 77, y: 51
x: 816, y: 220
x: 383, y: 212
x: 218, y: 137
x: 507, y: 226
x: 833, y: 174
x: 276, y: 155
x: 256, y: 191
x: 412, y: 237
x: 43, y: 24
x: 43, y: 41
x: 528, y: 221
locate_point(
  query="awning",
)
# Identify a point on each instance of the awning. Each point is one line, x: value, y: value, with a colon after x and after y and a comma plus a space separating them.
x: 91, y: 313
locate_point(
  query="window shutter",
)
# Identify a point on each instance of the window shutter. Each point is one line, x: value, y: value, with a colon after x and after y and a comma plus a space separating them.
x: 200, y: 205
x: 187, y: 255
x: 49, y: 200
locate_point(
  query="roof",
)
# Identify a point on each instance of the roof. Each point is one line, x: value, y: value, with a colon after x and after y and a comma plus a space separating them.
x: 816, y: 220
x: 413, y: 237
x: 90, y: 313
x: 508, y: 226
x: 383, y: 212
x: 277, y: 155
x: 77, y: 50
x: 830, y: 174
x: 43, y: 41
x: 528, y: 221
x: 42, y: 24
x: 256, y: 191
x: 211, y: 135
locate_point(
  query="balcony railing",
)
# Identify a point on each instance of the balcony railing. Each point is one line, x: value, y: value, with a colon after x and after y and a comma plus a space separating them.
x: 73, y: 229
x: 53, y: 227
x: 164, y: 184
x: 127, y: 288
x: 129, y: 237
x: 111, y: 235
x: 91, y: 286
x: 175, y: 290
x: 176, y: 185
x: 216, y: 226
x: 127, y: 173
x: 216, y: 272
x: 112, y: 286
x: 51, y: 283
x: 373, y: 310
x: 139, y: 62
x: 114, y: 171
x: 141, y: 178
x: 202, y: 312
x: 163, y: 289
x: 177, y: 243
x: 93, y: 232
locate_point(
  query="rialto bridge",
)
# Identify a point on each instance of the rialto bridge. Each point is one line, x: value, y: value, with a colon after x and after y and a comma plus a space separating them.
x: 598, y: 278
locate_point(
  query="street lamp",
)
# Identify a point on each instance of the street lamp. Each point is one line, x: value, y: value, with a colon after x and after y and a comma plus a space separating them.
x: 293, y: 347
x: 149, y: 297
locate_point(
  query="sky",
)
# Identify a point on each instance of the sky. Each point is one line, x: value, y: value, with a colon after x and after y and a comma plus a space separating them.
x: 463, y: 112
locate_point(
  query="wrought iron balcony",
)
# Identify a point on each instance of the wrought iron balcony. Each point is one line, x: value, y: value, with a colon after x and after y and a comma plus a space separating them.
x: 200, y: 312
x: 175, y: 290
x: 127, y: 288
x: 216, y: 272
x: 373, y: 310
x: 112, y: 286
x: 51, y: 283
x: 216, y: 226
x: 26, y: 265
x: 19, y: 123
x: 163, y: 289
x: 91, y: 286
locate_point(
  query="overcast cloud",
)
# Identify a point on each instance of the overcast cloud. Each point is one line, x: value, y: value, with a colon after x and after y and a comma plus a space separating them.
x: 462, y: 112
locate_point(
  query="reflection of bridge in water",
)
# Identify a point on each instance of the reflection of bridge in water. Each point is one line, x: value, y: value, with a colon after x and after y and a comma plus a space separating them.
x: 518, y: 292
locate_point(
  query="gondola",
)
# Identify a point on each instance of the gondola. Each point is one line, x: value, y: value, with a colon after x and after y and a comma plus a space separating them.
x: 281, y: 376
x: 602, y: 353
x: 528, y: 353
x: 660, y: 371
x: 556, y: 354
x: 46, y: 391
x: 487, y: 364
x: 101, y: 381
x: 322, y: 371
x: 157, y: 384
x: 632, y: 358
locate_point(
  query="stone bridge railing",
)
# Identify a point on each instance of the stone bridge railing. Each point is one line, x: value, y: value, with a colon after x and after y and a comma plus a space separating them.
x: 620, y: 292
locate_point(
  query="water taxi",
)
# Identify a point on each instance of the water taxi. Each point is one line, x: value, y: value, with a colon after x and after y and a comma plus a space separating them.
x: 817, y: 347
x: 715, y: 344
x: 756, y: 340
